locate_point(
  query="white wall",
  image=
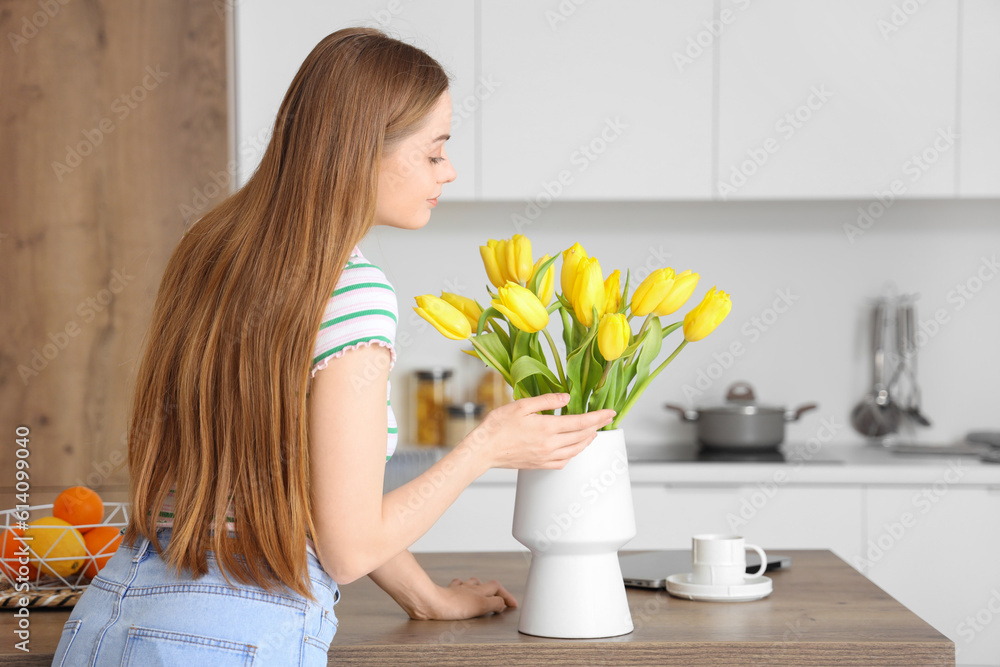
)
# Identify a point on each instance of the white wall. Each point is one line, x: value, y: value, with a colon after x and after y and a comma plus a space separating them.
x: 815, y: 351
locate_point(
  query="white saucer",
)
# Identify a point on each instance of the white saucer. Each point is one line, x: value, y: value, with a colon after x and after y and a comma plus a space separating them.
x: 752, y: 588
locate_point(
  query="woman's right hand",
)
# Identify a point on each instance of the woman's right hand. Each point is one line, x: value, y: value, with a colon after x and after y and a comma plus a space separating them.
x: 516, y: 436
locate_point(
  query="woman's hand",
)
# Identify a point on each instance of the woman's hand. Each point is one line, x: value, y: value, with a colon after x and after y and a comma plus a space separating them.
x: 515, y: 436
x: 467, y: 599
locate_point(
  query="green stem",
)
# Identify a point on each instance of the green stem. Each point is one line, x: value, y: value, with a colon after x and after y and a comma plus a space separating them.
x: 496, y: 364
x: 555, y: 355
x: 637, y: 391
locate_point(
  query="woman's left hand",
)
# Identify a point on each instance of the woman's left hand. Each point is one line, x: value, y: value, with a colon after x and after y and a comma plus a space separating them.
x: 470, y: 598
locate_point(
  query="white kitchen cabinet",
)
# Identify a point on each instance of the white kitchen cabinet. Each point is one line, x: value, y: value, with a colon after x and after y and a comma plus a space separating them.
x: 838, y: 99
x: 272, y: 40
x: 783, y: 517
x: 480, y: 520
x: 590, y: 104
x: 772, y: 516
x: 979, y: 101
x: 936, y: 549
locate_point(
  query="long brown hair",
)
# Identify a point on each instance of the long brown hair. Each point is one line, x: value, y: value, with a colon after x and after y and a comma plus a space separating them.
x: 219, y: 410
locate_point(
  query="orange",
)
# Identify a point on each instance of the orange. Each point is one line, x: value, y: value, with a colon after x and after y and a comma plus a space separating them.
x: 58, y: 544
x: 9, y: 558
x: 101, y: 543
x: 79, y: 506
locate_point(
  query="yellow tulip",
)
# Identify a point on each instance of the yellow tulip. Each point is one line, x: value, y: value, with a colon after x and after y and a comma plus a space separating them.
x: 571, y: 260
x: 489, y: 254
x: 517, y: 259
x: 588, y: 291
x: 613, y: 292
x: 445, y: 317
x: 681, y: 289
x: 651, y: 291
x: 613, y: 335
x: 521, y: 307
x: 466, y: 306
x: 547, y: 283
x: 707, y: 315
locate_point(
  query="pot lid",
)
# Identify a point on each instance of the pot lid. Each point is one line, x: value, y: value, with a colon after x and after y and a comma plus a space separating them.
x: 740, y: 400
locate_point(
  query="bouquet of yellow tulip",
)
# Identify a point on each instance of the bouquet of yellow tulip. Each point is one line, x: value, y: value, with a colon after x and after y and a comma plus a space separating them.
x: 603, y: 358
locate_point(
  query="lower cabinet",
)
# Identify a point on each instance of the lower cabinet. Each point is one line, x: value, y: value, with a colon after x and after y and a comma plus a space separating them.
x: 772, y: 517
x: 936, y: 549
x: 667, y: 516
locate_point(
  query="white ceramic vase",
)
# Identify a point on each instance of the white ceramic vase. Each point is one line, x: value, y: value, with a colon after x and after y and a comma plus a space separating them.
x: 574, y: 521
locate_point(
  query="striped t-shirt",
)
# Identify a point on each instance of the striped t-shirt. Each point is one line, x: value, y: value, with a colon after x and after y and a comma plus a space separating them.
x: 361, y: 311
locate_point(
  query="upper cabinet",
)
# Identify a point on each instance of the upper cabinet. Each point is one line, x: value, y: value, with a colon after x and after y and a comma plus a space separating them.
x: 837, y: 99
x: 979, y: 100
x: 697, y: 100
x: 589, y: 102
x: 273, y: 39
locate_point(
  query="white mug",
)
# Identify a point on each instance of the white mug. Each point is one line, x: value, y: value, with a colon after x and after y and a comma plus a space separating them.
x: 722, y: 559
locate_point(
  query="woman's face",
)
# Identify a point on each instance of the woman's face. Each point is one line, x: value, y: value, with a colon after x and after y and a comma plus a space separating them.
x: 411, y: 177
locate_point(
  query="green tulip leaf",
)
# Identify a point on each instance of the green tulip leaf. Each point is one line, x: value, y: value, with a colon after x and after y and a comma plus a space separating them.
x: 488, y: 313
x: 649, y: 351
x: 574, y: 368
x: 533, y: 283
x: 672, y: 328
x: 492, y: 351
x: 525, y: 367
x: 567, y: 331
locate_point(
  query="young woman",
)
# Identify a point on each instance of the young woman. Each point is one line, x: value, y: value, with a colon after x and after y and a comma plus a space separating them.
x: 261, y: 402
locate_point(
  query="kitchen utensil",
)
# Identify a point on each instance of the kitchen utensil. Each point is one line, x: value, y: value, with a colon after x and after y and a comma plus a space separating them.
x: 876, y: 416
x: 741, y: 422
x: 913, y: 408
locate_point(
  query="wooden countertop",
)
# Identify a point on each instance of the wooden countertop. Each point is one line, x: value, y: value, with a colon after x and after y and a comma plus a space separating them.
x: 821, y: 611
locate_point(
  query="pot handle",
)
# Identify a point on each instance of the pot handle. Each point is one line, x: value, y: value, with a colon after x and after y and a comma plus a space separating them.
x: 686, y: 415
x: 740, y: 391
x: 793, y: 415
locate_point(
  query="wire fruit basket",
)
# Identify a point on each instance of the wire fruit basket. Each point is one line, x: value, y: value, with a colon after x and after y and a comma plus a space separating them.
x: 35, y: 573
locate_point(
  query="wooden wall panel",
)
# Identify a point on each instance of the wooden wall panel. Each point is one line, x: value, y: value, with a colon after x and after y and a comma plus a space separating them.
x: 114, y: 120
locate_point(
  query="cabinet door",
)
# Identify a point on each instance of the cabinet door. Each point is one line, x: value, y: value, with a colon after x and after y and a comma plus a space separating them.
x: 480, y: 520
x: 771, y: 516
x: 272, y: 40
x: 979, y: 103
x: 837, y: 99
x: 937, y: 551
x: 590, y: 103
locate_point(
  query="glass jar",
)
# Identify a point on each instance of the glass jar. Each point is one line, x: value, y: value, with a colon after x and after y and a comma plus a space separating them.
x: 462, y: 418
x: 492, y: 390
x: 431, y: 393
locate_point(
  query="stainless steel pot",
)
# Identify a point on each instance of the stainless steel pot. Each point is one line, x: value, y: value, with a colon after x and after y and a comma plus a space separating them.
x: 741, y: 422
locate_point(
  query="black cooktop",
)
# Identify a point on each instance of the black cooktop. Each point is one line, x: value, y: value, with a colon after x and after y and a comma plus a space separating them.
x: 694, y: 453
